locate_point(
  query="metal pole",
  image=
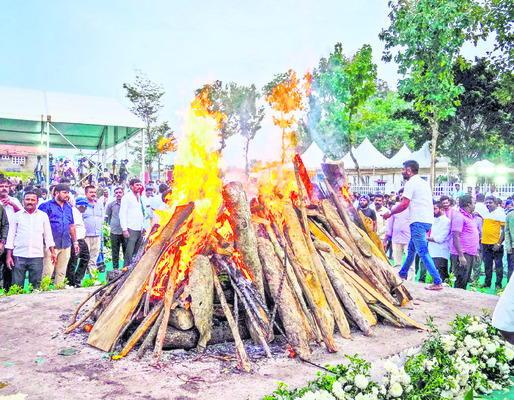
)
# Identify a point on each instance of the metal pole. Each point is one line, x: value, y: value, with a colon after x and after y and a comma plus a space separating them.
x: 47, y: 152
x: 143, y: 156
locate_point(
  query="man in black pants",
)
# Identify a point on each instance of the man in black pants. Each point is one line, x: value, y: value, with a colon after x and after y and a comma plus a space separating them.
x: 113, y: 219
x: 131, y: 219
x: 75, y: 273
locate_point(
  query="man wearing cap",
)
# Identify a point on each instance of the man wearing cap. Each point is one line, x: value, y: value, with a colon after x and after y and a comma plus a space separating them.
x: 93, y: 221
x: 366, y: 211
x: 60, y: 214
x: 417, y: 197
x: 75, y: 273
x: 131, y: 219
x: 29, y: 233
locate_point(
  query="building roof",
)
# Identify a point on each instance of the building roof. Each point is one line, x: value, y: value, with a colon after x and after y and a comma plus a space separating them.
x: 13, y: 150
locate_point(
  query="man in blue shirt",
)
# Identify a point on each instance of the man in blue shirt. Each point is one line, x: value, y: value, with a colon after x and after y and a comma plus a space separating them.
x: 60, y: 215
x: 93, y: 220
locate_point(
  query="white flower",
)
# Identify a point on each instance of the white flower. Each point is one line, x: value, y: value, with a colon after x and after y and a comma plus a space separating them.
x: 509, y: 353
x: 338, y: 390
x: 396, y: 390
x: 490, y: 348
x: 491, y: 362
x: 361, y: 396
x: 390, y: 366
x: 405, y: 379
x: 361, y: 381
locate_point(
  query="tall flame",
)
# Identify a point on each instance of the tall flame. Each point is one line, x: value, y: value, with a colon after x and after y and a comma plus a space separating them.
x: 196, y: 178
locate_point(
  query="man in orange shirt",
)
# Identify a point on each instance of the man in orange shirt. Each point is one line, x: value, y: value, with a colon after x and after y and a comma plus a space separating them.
x: 492, y: 242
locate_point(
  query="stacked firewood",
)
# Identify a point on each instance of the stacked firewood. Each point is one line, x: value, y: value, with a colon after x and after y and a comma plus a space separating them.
x: 303, y: 266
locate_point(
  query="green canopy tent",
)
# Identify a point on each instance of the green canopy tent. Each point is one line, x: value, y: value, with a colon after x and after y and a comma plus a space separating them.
x: 31, y: 117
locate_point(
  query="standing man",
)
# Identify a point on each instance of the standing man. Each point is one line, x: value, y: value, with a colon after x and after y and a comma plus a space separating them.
x: 131, y: 219
x: 492, y: 242
x: 457, y: 191
x: 4, y: 228
x: 417, y: 197
x: 93, y: 221
x: 379, y: 210
x: 465, y: 243
x: 29, y: 233
x: 113, y: 219
x: 439, y: 241
x: 11, y: 206
x: 366, y: 211
x: 509, y: 241
x: 60, y: 215
x: 146, y: 200
x: 75, y: 274
x: 399, y: 232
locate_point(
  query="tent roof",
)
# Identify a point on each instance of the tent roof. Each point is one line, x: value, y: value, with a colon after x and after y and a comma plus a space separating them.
x: 400, y: 157
x: 313, y: 157
x: 367, y: 156
x: 88, y: 122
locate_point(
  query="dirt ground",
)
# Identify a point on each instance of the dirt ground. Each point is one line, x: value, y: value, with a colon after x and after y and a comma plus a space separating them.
x: 31, y: 339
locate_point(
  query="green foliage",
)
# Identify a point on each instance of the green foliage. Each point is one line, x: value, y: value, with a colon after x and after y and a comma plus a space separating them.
x: 340, y: 86
x: 46, y: 284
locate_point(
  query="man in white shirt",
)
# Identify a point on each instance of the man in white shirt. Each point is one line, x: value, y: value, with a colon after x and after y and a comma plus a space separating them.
x: 29, y: 233
x: 11, y: 206
x: 417, y: 197
x: 380, y: 209
x: 158, y: 204
x: 131, y: 219
x: 146, y: 199
x: 75, y: 273
x: 440, y: 240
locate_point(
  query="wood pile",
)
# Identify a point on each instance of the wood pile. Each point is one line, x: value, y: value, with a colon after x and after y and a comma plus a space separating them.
x: 303, y: 266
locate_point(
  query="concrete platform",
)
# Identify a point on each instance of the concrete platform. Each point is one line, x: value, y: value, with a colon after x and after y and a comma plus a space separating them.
x: 31, y: 338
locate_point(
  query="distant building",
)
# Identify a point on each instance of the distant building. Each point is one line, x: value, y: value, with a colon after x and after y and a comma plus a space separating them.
x: 19, y: 158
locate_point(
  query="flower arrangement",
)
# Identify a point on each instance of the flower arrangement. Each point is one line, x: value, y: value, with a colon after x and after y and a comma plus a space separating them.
x: 471, y: 358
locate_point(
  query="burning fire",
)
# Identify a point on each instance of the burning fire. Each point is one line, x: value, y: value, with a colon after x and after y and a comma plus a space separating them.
x: 345, y: 190
x: 196, y: 178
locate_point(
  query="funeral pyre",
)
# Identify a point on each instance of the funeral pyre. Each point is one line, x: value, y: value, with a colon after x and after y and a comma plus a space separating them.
x: 296, y: 258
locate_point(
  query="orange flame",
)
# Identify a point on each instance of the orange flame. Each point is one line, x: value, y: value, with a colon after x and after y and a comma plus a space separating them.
x: 196, y: 178
x: 345, y: 190
x: 166, y: 144
x: 291, y: 351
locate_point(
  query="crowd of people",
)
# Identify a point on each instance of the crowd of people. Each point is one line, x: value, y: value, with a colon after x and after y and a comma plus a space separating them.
x: 59, y: 233
x: 449, y: 236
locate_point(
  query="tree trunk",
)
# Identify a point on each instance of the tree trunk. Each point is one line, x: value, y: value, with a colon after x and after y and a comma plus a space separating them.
x: 361, y: 179
x: 247, y: 168
x: 434, y: 127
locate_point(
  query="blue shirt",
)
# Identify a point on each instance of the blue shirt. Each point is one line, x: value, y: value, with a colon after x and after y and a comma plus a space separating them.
x: 61, y: 219
x: 94, y: 218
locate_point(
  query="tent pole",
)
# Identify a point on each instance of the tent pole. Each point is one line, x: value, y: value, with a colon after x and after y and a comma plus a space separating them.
x: 48, y: 152
x: 143, y: 156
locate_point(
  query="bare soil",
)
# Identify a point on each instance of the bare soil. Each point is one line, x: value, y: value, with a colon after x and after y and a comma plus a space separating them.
x: 31, y: 339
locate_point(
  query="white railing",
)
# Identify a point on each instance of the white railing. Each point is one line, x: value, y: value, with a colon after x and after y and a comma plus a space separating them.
x: 502, y: 191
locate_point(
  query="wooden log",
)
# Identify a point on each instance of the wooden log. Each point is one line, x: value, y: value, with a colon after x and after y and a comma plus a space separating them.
x: 288, y: 309
x: 244, y: 235
x: 310, y: 323
x: 181, y: 319
x: 335, y: 174
x: 201, y: 291
x: 308, y: 277
x: 245, y: 239
x: 352, y: 300
x: 119, y: 310
x: 179, y: 339
x: 150, y: 337
x: 242, y: 356
x: 356, y: 280
x: 387, y: 315
x: 138, y: 333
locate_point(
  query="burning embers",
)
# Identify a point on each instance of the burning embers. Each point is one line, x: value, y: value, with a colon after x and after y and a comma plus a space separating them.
x: 296, y: 261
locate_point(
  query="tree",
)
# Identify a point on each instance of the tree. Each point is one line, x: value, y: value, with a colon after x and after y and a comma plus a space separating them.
x: 428, y: 36
x: 146, y: 104
x: 377, y: 121
x: 243, y: 115
x: 286, y: 95
x: 482, y: 124
x: 340, y: 87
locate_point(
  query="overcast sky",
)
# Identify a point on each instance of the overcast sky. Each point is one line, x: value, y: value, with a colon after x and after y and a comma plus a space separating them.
x: 93, y: 47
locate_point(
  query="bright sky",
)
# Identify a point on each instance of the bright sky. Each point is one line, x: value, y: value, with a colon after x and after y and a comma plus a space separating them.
x: 93, y: 47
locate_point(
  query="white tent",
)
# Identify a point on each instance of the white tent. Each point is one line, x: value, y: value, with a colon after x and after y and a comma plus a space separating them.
x: 367, y: 156
x: 31, y: 117
x: 400, y: 157
x: 313, y: 157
